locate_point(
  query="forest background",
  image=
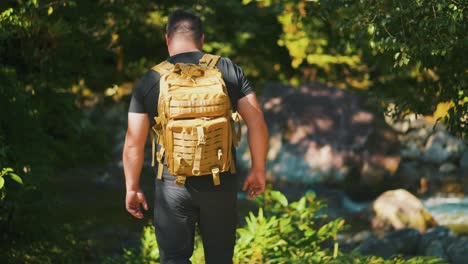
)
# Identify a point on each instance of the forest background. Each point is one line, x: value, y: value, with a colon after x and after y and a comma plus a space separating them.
x: 62, y: 63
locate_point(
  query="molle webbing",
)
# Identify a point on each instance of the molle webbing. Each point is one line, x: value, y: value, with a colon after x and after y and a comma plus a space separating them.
x: 206, y: 107
x: 163, y: 68
x: 209, y: 60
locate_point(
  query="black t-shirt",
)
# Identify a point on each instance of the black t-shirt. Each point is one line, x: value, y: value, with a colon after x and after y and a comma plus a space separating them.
x: 145, y: 100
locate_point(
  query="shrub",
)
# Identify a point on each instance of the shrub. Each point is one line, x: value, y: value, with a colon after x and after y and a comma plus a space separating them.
x: 281, y: 232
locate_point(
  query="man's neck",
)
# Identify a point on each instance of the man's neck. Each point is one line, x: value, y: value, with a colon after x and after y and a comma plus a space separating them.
x: 174, y: 50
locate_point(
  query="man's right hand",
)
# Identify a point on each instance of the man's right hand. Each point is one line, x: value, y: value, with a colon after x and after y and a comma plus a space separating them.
x: 133, y: 156
x: 134, y: 200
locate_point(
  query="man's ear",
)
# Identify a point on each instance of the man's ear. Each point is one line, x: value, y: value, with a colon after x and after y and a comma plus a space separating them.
x: 167, y: 39
x: 202, y: 40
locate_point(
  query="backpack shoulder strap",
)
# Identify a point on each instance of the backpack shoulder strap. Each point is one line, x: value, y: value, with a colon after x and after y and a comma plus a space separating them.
x: 209, y: 60
x: 163, y: 67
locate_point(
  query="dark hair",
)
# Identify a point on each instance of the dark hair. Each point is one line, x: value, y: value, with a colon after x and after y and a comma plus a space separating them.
x: 185, y: 22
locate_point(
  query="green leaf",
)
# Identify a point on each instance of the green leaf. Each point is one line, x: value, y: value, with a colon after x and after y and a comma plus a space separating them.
x: 246, y: 2
x: 278, y: 196
x: 301, y: 204
x: 16, y: 178
x: 2, y: 182
x: 6, y: 171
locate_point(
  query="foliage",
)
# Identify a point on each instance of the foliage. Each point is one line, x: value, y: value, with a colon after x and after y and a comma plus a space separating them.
x: 287, y: 232
x: 60, y: 244
x: 7, y: 172
x: 7, y: 205
x: 149, y: 252
x: 3, y: 174
x: 426, y: 42
x: 42, y: 126
x: 281, y: 232
x: 59, y: 58
x: 410, y: 53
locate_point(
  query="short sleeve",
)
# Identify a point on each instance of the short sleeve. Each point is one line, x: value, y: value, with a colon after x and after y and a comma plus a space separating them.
x: 140, y: 90
x: 237, y: 83
x: 243, y: 83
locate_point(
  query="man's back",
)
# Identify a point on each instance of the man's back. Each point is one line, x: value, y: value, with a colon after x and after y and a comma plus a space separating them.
x: 178, y: 209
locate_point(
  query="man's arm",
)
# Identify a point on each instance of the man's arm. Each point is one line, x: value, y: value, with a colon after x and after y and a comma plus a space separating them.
x: 133, y: 157
x: 252, y: 114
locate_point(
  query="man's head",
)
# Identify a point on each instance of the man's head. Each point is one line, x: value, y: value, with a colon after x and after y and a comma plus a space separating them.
x: 184, y: 29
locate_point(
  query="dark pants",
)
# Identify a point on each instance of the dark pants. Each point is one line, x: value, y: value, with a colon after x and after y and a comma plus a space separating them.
x: 178, y: 208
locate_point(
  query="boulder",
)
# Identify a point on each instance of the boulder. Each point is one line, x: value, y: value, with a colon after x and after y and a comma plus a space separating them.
x: 404, y: 124
x: 411, y: 151
x: 436, y: 249
x: 378, y: 247
x: 434, y: 234
x: 321, y: 134
x: 447, y: 168
x: 398, y: 209
x: 457, y: 251
x: 410, y: 173
x: 441, y: 147
x: 464, y: 163
x: 405, y: 240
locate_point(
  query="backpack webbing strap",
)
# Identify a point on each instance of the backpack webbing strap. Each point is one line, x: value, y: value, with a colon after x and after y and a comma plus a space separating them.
x: 157, y: 156
x: 209, y: 60
x: 237, y: 131
x: 163, y: 67
x: 198, y: 151
x: 153, y: 147
x: 160, y: 162
x: 157, y: 132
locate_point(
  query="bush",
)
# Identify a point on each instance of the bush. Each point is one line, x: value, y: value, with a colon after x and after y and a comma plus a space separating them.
x: 281, y: 232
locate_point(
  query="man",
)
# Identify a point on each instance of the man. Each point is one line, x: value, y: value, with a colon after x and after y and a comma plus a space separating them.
x: 178, y: 208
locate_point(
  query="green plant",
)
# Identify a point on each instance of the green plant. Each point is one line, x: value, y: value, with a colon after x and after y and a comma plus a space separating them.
x: 3, y: 174
x: 287, y: 232
x: 281, y: 232
x: 149, y: 251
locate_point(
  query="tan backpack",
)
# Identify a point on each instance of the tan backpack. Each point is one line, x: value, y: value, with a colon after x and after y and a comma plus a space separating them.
x: 195, y: 123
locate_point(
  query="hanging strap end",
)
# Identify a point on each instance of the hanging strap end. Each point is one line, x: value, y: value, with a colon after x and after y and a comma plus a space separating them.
x: 215, y: 172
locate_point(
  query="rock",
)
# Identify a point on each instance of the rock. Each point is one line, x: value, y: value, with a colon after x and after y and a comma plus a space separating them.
x: 406, y: 123
x: 436, y: 249
x: 410, y: 173
x: 441, y: 146
x: 458, y: 251
x: 436, y: 153
x: 447, y: 168
x: 417, y: 137
x: 405, y: 240
x: 434, y: 234
x: 411, y: 151
x: 378, y: 247
x: 398, y: 209
x: 324, y: 135
x: 464, y: 163
x: 362, y: 236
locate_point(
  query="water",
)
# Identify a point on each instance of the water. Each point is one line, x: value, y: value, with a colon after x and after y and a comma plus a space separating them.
x: 449, y: 211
